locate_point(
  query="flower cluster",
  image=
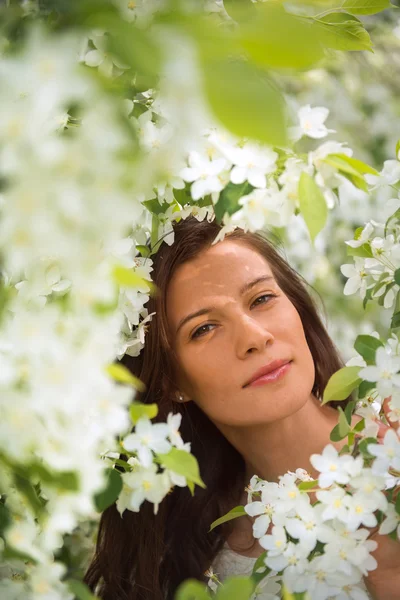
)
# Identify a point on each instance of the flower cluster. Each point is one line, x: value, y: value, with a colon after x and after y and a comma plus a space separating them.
x: 322, y: 547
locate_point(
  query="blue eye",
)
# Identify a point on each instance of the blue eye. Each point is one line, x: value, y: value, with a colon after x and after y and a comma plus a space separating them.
x: 202, y: 330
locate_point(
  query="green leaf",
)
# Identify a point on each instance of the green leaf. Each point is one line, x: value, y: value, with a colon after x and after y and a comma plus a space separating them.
x: 236, y: 512
x: 359, y: 426
x: 260, y: 569
x: 397, y: 276
x: 109, y: 495
x: 26, y: 488
x: 394, y: 217
x: 395, y: 322
x: 191, y: 589
x: 351, y: 168
x: 307, y: 485
x: 182, y: 463
x: 144, y: 250
x: 128, y: 278
x: 350, y: 165
x: 364, y: 7
x: 398, y: 150
x: 363, y: 446
x: 228, y: 201
x: 366, y: 346
x: 236, y: 588
x: 134, y: 46
x: 365, y: 387
x: 342, y: 31
x: 155, y: 207
x: 245, y: 101
x: 349, y: 409
x: 335, y: 435
x: 122, y: 374
x: 397, y: 504
x: 240, y: 10
x: 364, y: 251
x: 312, y: 205
x: 80, y: 590
x: 65, y: 480
x: 279, y: 40
x: 5, y: 518
x: 367, y: 297
x: 344, y: 427
x: 137, y: 410
x: 341, y: 384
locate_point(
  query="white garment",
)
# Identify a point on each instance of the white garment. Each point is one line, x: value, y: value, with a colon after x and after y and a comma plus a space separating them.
x: 228, y: 562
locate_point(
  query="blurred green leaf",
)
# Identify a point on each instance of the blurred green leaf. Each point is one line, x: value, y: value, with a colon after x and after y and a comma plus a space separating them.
x: 5, y: 518
x: 312, y: 205
x: 191, y: 589
x: 308, y: 485
x: 364, y: 7
x: 365, y: 387
x: 109, y: 495
x: 335, y: 435
x: 128, y: 278
x: 363, y: 446
x: 366, y: 346
x: 236, y: 588
x: 260, y: 569
x: 26, y: 488
x: 121, y: 374
x: 228, y: 201
x: 359, y: 426
x: 80, y: 590
x: 397, y: 504
x: 341, y: 384
x: 395, y: 322
x: 349, y: 409
x: 364, y: 251
x: 344, y: 426
x: 182, y: 463
x: 240, y: 10
x: 280, y: 40
x: 234, y: 513
x: 350, y: 165
x: 245, y: 101
x: 138, y: 410
x: 342, y: 31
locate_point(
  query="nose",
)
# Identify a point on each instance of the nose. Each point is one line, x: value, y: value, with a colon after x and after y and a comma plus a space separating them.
x: 251, y: 335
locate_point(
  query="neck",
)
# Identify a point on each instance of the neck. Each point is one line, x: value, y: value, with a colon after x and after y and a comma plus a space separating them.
x: 272, y: 449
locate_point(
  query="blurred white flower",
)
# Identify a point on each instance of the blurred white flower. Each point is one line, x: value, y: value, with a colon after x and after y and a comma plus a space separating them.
x: 148, y: 437
x: 252, y: 163
x: 312, y: 122
x: 100, y: 57
x: 204, y: 173
x: 385, y: 373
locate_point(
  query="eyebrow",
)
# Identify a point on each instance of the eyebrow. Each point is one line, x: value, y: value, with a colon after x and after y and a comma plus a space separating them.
x: 245, y: 288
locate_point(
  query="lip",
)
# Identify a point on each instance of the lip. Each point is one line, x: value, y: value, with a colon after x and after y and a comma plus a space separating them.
x: 270, y: 372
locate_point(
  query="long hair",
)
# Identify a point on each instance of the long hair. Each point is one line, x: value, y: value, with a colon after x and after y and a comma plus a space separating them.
x: 142, y: 556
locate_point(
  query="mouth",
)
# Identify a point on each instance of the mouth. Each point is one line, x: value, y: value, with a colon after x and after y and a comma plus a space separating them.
x: 270, y: 375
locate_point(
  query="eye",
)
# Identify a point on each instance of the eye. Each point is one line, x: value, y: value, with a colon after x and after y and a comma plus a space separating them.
x: 199, y: 332
x: 257, y: 303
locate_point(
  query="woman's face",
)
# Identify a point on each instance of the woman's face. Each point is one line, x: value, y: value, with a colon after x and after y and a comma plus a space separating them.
x: 246, y: 322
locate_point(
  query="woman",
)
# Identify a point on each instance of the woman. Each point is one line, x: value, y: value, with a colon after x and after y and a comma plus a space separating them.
x: 224, y: 314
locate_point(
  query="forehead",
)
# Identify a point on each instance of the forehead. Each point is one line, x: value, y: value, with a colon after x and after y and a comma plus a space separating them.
x: 222, y: 268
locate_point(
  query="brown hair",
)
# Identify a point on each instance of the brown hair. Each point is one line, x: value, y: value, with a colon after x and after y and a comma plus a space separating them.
x: 143, y: 556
